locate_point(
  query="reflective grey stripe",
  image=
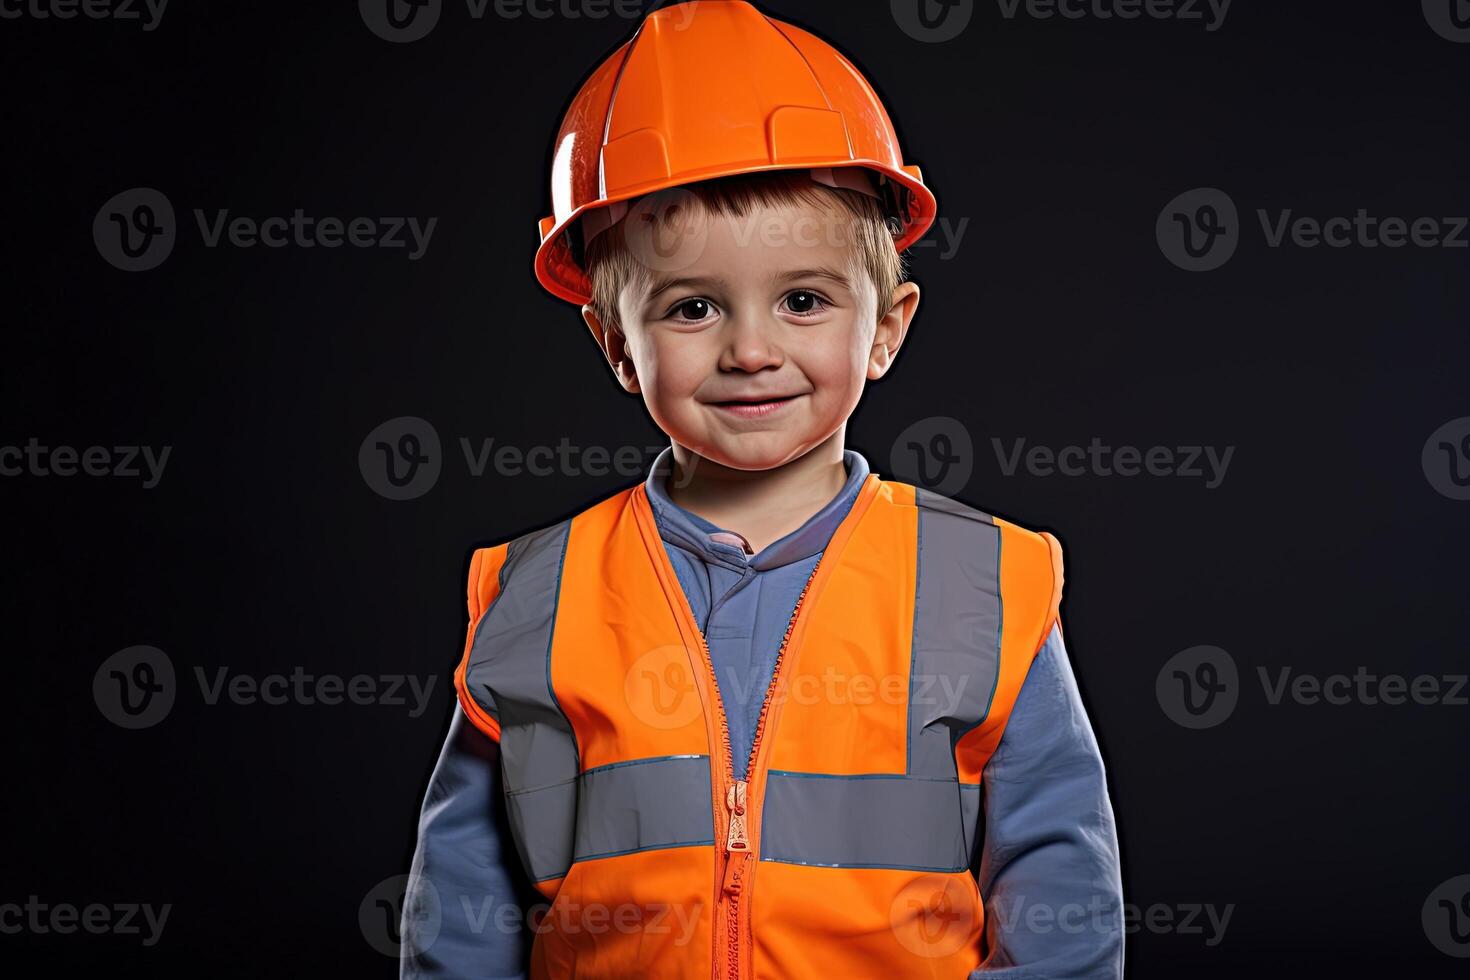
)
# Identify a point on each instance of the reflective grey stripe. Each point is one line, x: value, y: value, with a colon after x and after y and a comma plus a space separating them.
x: 868, y: 821
x: 543, y: 821
x: 630, y: 806
x: 480, y: 692
x: 644, y: 804
x: 957, y: 620
x: 510, y: 670
x: 970, y: 815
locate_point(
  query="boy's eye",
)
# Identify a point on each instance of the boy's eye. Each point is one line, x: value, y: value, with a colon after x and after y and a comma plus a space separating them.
x: 692, y: 309
x: 804, y: 302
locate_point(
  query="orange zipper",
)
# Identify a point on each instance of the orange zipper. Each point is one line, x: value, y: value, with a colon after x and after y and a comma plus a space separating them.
x: 732, y: 875
x: 737, y: 827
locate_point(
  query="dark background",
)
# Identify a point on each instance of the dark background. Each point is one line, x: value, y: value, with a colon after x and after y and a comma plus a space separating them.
x: 264, y: 549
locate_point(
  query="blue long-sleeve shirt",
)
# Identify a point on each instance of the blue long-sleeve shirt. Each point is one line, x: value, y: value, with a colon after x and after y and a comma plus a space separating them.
x: 1047, y: 839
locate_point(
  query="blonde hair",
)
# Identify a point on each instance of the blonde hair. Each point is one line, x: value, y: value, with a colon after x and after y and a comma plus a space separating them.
x: 611, y: 264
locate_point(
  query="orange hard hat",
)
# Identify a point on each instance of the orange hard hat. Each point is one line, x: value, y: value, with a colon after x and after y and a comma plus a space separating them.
x: 709, y: 89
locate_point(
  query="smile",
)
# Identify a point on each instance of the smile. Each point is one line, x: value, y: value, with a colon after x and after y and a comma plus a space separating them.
x: 754, y: 410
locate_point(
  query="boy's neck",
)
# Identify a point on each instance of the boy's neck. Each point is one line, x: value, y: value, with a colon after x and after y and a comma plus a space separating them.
x: 763, y: 505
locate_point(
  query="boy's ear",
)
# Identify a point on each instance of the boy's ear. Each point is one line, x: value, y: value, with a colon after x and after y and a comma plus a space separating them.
x: 893, y: 326
x: 614, y: 347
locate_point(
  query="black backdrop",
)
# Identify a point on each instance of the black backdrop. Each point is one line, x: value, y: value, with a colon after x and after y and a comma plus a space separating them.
x: 1332, y: 544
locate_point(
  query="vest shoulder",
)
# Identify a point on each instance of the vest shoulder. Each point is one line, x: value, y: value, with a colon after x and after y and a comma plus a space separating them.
x: 1032, y: 559
x: 937, y: 503
x: 527, y: 552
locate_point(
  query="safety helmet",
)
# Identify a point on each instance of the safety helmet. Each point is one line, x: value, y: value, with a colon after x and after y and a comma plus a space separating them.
x: 714, y: 88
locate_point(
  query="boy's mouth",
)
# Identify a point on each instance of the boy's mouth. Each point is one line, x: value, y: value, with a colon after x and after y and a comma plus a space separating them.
x: 744, y: 408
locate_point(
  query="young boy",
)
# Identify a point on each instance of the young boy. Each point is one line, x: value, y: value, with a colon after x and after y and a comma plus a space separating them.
x: 765, y: 714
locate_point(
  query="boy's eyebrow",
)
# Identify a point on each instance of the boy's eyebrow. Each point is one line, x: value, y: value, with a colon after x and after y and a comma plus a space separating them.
x: 820, y: 272
x: 663, y: 285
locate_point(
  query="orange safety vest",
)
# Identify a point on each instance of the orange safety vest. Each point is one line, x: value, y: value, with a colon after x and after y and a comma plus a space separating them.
x: 847, y: 850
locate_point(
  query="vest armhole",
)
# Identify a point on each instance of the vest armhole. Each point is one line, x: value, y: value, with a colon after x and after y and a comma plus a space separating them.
x: 1054, y: 614
x: 480, y: 594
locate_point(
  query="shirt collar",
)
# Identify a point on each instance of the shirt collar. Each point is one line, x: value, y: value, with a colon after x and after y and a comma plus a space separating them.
x: 688, y: 530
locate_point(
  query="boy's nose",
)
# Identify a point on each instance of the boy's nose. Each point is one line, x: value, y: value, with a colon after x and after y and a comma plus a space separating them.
x: 750, y: 345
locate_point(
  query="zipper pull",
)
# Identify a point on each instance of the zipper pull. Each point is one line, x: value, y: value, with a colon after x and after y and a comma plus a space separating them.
x: 737, y: 843
x: 735, y: 837
x: 733, y: 867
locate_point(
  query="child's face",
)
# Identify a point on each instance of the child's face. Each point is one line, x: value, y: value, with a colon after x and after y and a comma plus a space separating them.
x: 752, y: 340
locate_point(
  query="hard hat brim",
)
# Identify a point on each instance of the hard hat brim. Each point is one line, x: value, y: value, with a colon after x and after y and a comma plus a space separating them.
x: 560, y: 275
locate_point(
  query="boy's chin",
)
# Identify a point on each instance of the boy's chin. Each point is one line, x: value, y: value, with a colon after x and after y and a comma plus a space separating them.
x: 756, y: 451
